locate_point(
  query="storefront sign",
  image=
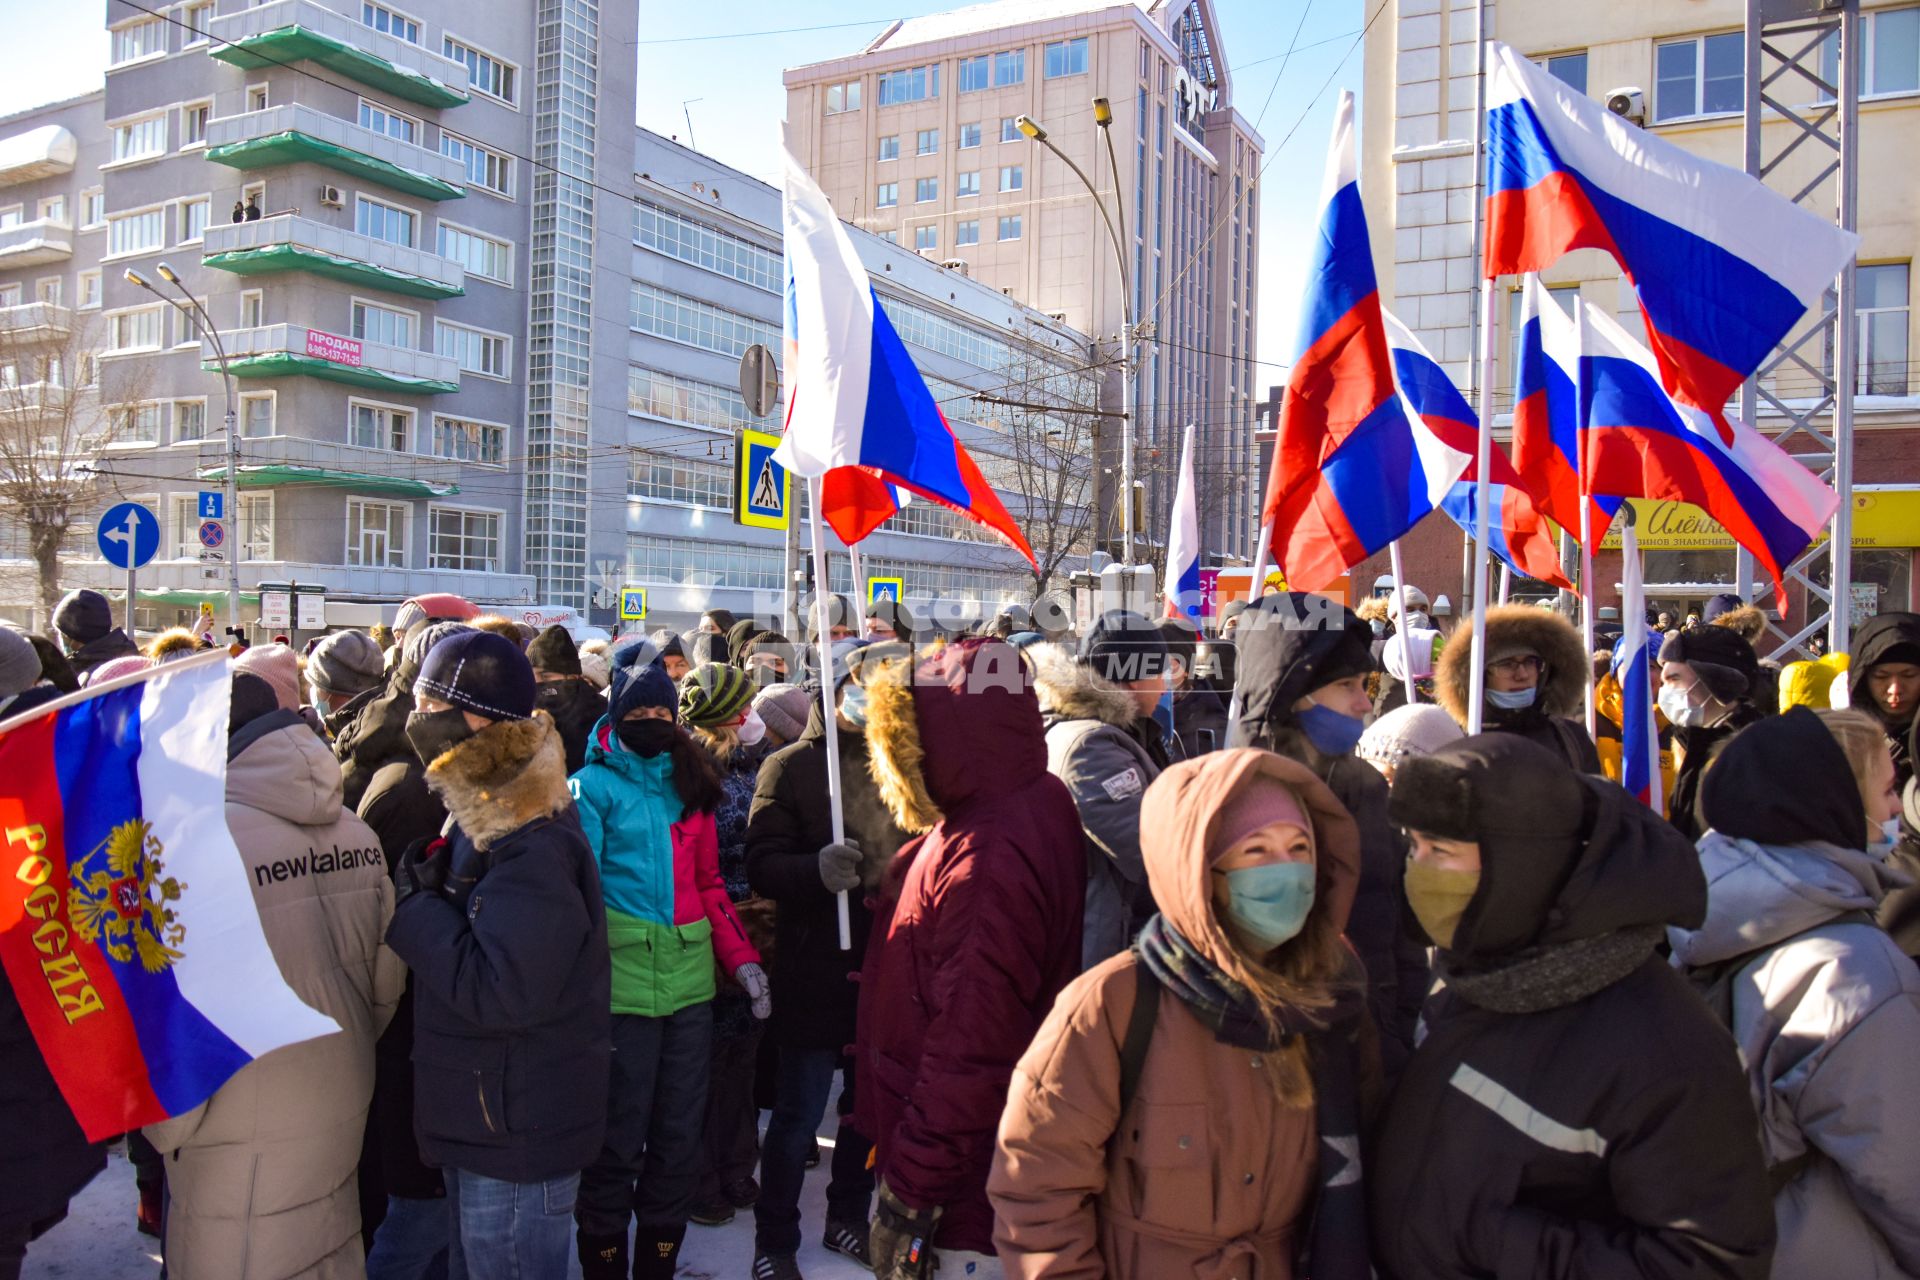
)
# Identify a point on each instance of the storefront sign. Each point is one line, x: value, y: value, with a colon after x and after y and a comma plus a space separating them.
x: 1881, y: 518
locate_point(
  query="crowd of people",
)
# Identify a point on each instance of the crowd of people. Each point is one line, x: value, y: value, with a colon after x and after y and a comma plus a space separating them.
x: 1138, y: 953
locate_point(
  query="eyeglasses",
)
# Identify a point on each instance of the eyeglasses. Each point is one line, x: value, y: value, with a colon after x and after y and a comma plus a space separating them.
x: 1515, y: 666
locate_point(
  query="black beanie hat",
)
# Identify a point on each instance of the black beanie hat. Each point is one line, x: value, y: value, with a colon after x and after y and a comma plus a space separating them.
x: 1122, y: 647
x: 553, y: 652
x: 1720, y: 656
x: 1784, y: 780
x: 481, y: 672
x: 250, y: 698
x: 83, y: 616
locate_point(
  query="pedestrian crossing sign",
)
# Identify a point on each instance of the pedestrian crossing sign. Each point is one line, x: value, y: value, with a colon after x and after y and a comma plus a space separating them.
x: 763, y: 489
x: 633, y: 604
x: 879, y: 589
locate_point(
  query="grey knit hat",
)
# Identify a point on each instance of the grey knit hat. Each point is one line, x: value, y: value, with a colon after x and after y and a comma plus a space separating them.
x: 1417, y: 729
x: 19, y: 663
x: 345, y: 663
x: 785, y: 709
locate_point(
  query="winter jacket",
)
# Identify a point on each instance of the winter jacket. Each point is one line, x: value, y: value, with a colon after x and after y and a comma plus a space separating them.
x: 815, y: 987
x: 986, y: 930
x: 576, y: 706
x: 377, y: 734
x: 1205, y: 1174
x: 512, y: 1025
x: 1598, y: 1127
x: 1697, y: 747
x: 1886, y: 637
x: 668, y: 915
x: 97, y: 652
x: 263, y: 1174
x: 1107, y: 771
x: 46, y: 1159
x: 1562, y: 695
x: 1199, y: 722
x: 1826, y: 1011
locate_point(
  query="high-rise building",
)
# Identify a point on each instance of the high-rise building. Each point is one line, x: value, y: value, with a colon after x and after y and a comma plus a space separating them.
x: 915, y: 137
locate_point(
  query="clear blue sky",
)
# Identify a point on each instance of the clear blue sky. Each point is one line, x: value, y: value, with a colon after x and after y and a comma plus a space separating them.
x: 736, y: 80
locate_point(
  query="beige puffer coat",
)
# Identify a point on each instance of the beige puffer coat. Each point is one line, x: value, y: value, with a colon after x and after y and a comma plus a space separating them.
x: 262, y: 1174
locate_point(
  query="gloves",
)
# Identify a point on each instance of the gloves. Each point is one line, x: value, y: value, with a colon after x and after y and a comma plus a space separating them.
x: 901, y: 1239
x: 422, y: 867
x: 753, y: 980
x: 840, y: 866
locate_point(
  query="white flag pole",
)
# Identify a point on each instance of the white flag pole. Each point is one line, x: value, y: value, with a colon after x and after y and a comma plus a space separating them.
x: 1589, y: 594
x: 1254, y: 585
x: 858, y: 596
x: 1633, y: 612
x: 823, y: 629
x: 1506, y: 583
x: 1483, y: 496
x: 1400, y: 619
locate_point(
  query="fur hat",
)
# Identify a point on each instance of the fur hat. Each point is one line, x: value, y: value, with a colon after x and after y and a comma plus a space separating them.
x: 714, y: 694
x: 1748, y: 621
x: 785, y: 708
x: 1720, y: 656
x: 481, y: 672
x: 553, y: 652
x: 1514, y: 629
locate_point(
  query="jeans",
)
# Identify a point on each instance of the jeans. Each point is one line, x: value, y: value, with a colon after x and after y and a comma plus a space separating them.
x: 411, y: 1242
x: 509, y: 1230
x: 804, y: 1082
x: 649, y: 1164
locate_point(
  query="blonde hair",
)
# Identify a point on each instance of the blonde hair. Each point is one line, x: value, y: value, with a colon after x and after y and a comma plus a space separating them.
x: 499, y: 626
x: 1864, y: 742
x: 719, y: 743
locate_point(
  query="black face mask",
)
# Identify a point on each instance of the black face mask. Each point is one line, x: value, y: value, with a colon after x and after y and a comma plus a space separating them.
x: 646, y: 738
x: 434, y: 733
x: 550, y: 694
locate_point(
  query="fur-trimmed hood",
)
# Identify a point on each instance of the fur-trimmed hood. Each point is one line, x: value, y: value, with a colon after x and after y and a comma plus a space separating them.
x: 507, y: 775
x: 1748, y: 622
x: 1562, y: 684
x: 1069, y: 691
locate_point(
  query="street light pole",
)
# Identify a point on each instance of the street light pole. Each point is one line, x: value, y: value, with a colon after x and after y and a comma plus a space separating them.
x: 1103, y: 116
x: 230, y: 486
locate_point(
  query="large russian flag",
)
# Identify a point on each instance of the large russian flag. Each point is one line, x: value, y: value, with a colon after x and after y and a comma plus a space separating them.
x: 1350, y: 474
x: 1518, y: 534
x: 1182, y: 590
x: 1546, y: 415
x: 127, y: 926
x: 1643, y: 443
x: 1724, y: 267
x: 858, y: 411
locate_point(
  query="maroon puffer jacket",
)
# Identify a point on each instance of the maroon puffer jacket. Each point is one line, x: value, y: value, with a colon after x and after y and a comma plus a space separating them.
x: 986, y: 931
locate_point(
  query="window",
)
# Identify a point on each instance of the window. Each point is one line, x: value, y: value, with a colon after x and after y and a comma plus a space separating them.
x: 475, y: 350
x: 1009, y: 129
x: 486, y: 168
x: 1067, y: 58
x: 926, y: 142
x: 708, y: 247
x: 1891, y: 41
x: 969, y: 136
x: 1009, y: 68
x: 89, y: 290
x: 93, y: 207
x: 485, y: 73
x: 481, y: 255
x: 926, y: 190
x: 385, y: 120
x: 193, y: 124
x: 1881, y: 310
x: 140, y: 139
x: 1569, y: 68
x: 890, y: 235
x: 677, y: 399
x: 381, y: 18
x: 256, y: 413
x: 256, y: 526
x: 186, y: 527
x: 136, y: 330
x: 53, y: 209
x: 682, y: 319
x: 136, y: 424
x: 484, y: 443
x: 927, y: 237
x: 377, y: 533
x: 12, y: 216
x: 1010, y: 227
x: 1012, y: 177
x: 144, y: 39
x: 384, y: 325
x: 972, y: 73
x: 253, y: 308
x: 887, y: 195
x: 1702, y: 76
x: 967, y: 184
x: 189, y: 420
x: 705, y: 564
x: 379, y: 426
x: 967, y: 232
x: 384, y: 221
x: 664, y: 477
x: 256, y: 97
x: 47, y: 289
x: 890, y: 147
x: 193, y: 219
x: 463, y: 539
x: 913, y: 84
x: 844, y: 96
x: 194, y: 17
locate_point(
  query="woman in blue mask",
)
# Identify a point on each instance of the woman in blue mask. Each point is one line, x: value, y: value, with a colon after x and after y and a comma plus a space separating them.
x: 1205, y: 1082
x: 1536, y: 682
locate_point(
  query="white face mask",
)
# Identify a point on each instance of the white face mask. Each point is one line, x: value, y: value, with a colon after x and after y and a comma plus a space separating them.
x: 1888, y: 836
x: 1678, y: 706
x: 752, y: 729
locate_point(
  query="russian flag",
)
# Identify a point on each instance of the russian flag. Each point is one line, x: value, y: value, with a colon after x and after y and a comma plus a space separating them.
x: 1546, y: 415
x: 1183, y: 542
x: 1520, y: 537
x: 1724, y: 267
x: 127, y: 926
x: 858, y: 412
x: 1642, y: 443
x: 1633, y: 666
x: 1350, y: 474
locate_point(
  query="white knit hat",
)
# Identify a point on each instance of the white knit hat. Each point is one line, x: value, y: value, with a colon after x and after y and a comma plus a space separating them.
x: 1416, y: 729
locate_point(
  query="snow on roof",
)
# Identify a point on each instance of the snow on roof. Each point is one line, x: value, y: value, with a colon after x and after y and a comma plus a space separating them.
x: 980, y: 18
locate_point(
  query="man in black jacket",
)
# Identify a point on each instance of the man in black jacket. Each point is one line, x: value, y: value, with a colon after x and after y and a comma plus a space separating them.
x: 84, y: 622
x: 791, y: 859
x: 1707, y: 675
x: 564, y: 693
x: 504, y: 929
x: 1199, y: 715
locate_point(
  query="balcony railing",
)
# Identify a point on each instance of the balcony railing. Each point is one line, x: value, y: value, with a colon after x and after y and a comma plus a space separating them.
x: 286, y: 31
x: 33, y: 244
x: 292, y: 350
x: 34, y: 322
x: 288, y: 242
x: 295, y: 133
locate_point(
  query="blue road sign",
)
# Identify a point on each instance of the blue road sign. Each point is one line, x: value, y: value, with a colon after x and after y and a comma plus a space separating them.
x: 129, y: 535
x: 633, y: 604
x: 213, y: 505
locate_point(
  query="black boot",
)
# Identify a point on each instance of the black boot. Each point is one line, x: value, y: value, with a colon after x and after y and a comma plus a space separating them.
x: 602, y: 1257
x: 656, y: 1251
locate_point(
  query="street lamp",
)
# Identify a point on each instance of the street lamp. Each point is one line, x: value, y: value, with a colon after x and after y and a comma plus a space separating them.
x: 196, y: 313
x: 1103, y: 117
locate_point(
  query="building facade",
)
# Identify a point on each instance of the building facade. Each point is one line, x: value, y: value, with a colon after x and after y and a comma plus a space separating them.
x: 1684, y: 67
x: 915, y: 138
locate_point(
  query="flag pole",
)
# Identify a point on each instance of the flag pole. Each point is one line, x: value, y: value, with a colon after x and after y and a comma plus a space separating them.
x: 1634, y: 612
x: 1506, y: 582
x: 823, y: 629
x: 1254, y: 585
x: 1589, y: 596
x: 858, y: 596
x: 1400, y: 612
x: 1483, y: 497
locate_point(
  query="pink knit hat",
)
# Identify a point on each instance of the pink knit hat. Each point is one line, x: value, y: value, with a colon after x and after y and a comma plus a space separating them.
x: 117, y: 667
x: 279, y: 666
x: 1261, y: 803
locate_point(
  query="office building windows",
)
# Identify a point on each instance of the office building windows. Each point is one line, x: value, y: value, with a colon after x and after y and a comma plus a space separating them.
x: 193, y: 219
x: 663, y: 477
x: 844, y: 96
x: 377, y: 533
x: 1700, y: 76
x: 1009, y: 68
x: 1569, y: 68
x: 926, y: 142
x: 460, y: 539
x: 1067, y: 58
x: 678, y: 318
x: 193, y: 124
x: 967, y: 184
x: 1010, y: 227
x: 380, y: 426
x: 886, y: 195
x: 1013, y: 177
x: 394, y: 23
x: 969, y: 136
x: 474, y: 350
x: 384, y: 221
x: 1890, y: 41
x: 926, y: 237
x: 890, y: 147
x: 913, y: 84
x: 973, y: 73
x: 926, y: 190
x: 678, y: 399
x: 704, y: 564
x: 1009, y: 129
x: 966, y: 232
x: 695, y: 242
x: 485, y: 73
x: 481, y: 255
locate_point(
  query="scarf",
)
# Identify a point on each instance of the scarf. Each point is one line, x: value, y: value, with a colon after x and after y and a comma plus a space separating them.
x: 1541, y: 978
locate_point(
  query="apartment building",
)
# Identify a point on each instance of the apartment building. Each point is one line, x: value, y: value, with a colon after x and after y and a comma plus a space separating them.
x: 914, y: 137
x: 444, y: 269
x: 1684, y: 69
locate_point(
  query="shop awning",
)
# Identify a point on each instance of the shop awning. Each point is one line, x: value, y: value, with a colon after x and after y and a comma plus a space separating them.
x: 272, y: 258
x: 297, y: 43
x: 189, y: 599
x: 291, y: 146
x: 288, y: 364
x: 275, y: 474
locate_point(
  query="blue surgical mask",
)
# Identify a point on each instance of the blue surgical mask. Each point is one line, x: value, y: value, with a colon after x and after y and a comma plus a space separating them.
x: 1163, y: 711
x: 1886, y: 837
x: 1269, y: 903
x: 1512, y: 699
x: 853, y: 704
x: 1331, y: 732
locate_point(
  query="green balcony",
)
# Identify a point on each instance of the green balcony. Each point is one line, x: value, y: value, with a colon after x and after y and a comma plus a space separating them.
x: 294, y: 133
x: 276, y: 475
x: 294, y: 351
x: 290, y: 31
x: 288, y: 242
